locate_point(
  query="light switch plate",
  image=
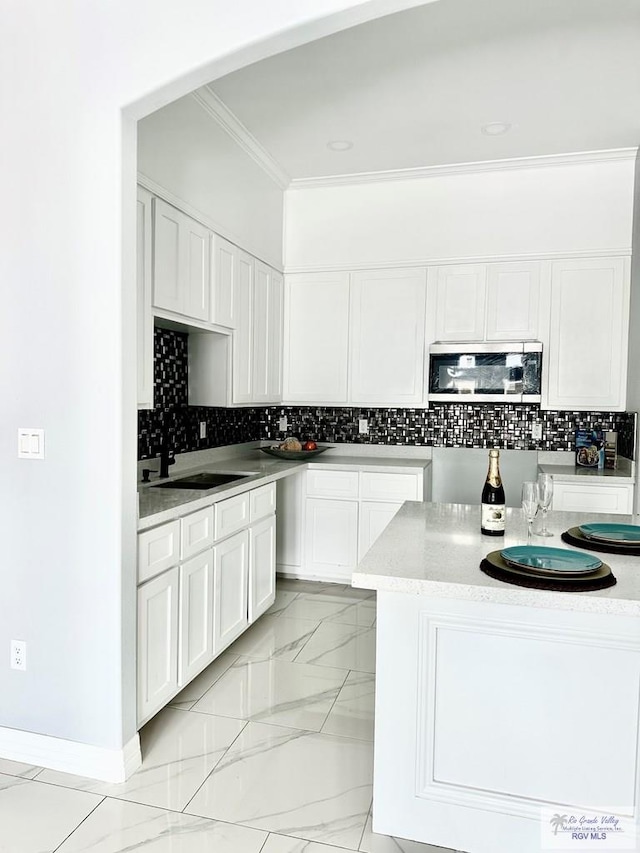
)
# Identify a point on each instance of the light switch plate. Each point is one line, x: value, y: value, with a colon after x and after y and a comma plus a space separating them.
x: 282, y: 424
x: 30, y: 443
x: 363, y: 426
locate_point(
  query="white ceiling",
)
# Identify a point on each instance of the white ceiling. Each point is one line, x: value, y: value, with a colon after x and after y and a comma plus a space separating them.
x: 413, y: 89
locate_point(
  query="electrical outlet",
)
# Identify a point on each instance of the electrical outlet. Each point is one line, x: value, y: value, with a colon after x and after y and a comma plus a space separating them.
x: 203, y: 429
x: 30, y: 443
x: 282, y: 424
x: 18, y: 654
x: 536, y: 431
x: 363, y: 426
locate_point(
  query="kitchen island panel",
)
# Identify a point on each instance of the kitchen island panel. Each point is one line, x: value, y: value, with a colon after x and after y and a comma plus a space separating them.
x: 488, y: 713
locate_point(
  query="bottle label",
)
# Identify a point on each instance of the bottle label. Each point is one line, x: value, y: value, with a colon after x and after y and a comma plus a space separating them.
x: 493, y: 516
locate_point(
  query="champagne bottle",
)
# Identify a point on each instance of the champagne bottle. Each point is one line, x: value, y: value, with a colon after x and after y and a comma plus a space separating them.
x: 494, y: 510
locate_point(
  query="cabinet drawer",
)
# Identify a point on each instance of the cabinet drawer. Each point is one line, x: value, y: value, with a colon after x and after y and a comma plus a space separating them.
x: 231, y: 515
x: 262, y: 502
x: 332, y: 484
x: 572, y: 497
x: 196, y: 533
x: 390, y: 487
x: 158, y: 549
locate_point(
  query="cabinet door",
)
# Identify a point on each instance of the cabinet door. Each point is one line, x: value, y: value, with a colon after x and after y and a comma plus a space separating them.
x: 144, y: 313
x: 513, y: 295
x: 243, y: 336
x: 274, y: 342
x: 578, y: 497
x: 231, y: 570
x: 585, y: 364
x: 331, y: 540
x: 167, y: 262
x: 196, y: 272
x: 460, y: 302
x: 196, y: 616
x: 157, y: 643
x: 261, y: 332
x: 223, y: 276
x: 262, y: 567
x: 316, y: 337
x: 374, y: 517
x: 387, y: 336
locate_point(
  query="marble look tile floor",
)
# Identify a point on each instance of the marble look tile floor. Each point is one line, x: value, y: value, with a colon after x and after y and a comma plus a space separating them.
x: 269, y: 750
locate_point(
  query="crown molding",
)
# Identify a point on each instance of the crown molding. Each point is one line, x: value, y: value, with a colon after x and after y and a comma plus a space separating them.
x: 420, y: 263
x: 543, y: 161
x: 219, y: 112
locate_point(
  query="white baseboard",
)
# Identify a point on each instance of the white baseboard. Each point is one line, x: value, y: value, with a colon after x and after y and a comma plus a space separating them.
x: 81, y: 759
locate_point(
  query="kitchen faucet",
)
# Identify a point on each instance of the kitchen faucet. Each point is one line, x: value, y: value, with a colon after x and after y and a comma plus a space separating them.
x: 166, y: 459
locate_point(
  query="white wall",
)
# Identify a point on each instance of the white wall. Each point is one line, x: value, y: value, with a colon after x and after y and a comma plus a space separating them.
x: 67, y: 327
x: 526, y: 211
x: 185, y: 150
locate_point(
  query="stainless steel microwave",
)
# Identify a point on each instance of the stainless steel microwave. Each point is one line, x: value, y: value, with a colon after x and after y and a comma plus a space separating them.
x: 498, y: 372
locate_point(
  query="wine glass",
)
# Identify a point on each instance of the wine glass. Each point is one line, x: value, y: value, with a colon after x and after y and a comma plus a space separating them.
x: 545, y: 496
x: 529, y: 505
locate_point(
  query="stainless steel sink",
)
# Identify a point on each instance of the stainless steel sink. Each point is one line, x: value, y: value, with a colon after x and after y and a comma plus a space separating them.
x: 204, y: 480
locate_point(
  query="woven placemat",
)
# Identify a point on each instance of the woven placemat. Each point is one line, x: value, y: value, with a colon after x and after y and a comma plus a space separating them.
x: 494, y: 566
x: 574, y: 536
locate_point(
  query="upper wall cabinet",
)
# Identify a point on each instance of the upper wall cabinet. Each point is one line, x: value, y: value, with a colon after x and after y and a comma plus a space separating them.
x: 386, y: 352
x: 144, y: 314
x: 492, y: 302
x: 257, y: 341
x: 585, y: 364
x: 224, y: 262
x: 355, y: 338
x: 181, y: 248
x: 267, y: 335
x: 316, y: 338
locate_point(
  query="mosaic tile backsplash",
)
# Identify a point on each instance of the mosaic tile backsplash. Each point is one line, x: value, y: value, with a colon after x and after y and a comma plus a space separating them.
x: 507, y: 426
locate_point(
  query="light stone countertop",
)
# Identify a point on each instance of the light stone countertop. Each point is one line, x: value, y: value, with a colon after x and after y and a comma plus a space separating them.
x: 157, y: 506
x: 436, y: 549
x: 622, y: 475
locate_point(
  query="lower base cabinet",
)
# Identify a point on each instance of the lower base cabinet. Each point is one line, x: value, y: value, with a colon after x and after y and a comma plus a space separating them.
x: 579, y: 497
x: 157, y: 642
x: 374, y: 517
x: 196, y: 608
x: 189, y: 613
x: 262, y: 567
x: 331, y: 537
x: 231, y: 564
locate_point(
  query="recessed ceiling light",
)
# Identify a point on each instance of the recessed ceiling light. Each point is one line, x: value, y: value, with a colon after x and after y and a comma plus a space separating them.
x: 496, y: 128
x: 339, y: 145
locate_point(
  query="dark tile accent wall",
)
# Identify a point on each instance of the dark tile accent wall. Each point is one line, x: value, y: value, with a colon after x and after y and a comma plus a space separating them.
x: 507, y: 426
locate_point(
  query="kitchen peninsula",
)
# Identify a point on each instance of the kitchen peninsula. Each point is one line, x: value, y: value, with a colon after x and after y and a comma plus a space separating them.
x: 498, y: 706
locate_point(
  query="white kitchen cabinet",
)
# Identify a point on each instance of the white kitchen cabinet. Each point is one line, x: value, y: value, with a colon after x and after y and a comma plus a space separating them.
x: 460, y: 302
x: 331, y: 538
x: 262, y: 502
x: 487, y: 302
x: 585, y: 363
x: 223, y: 276
x: 242, y: 364
x: 158, y: 549
x: 593, y: 497
x: 262, y: 567
x: 144, y: 295
x: 316, y: 337
x: 196, y: 532
x: 182, y: 257
x: 257, y: 340
x: 231, y: 515
x: 330, y: 518
x: 387, y: 333
x: 157, y: 642
x: 196, y: 616
x: 267, y: 335
x: 513, y: 297
x: 374, y: 517
x: 230, y: 603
